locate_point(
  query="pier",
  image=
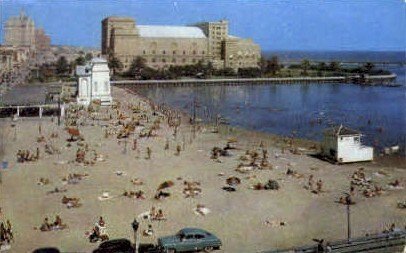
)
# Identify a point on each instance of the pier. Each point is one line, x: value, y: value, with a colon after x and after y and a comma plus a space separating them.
x: 358, y: 79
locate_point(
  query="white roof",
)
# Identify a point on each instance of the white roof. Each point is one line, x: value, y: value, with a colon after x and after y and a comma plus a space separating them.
x: 155, y: 31
x: 98, y: 60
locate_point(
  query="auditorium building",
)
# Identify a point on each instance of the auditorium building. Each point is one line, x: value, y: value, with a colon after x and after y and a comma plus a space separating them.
x: 163, y: 46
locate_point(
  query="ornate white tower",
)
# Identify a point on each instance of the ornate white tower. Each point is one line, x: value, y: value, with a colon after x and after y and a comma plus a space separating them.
x: 94, y: 82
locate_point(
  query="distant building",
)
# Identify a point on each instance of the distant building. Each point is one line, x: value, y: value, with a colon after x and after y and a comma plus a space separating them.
x: 94, y: 82
x: 344, y: 146
x: 19, y: 31
x: 13, y: 57
x: 42, y: 41
x: 164, y: 46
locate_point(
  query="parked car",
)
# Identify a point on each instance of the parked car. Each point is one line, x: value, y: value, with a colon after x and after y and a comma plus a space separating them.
x: 116, y: 246
x: 46, y: 250
x: 189, y: 239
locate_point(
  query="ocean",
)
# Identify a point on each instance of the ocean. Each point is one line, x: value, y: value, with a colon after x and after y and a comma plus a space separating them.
x: 301, y: 110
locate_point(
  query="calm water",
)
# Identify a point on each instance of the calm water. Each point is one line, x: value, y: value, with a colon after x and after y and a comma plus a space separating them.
x: 304, y: 110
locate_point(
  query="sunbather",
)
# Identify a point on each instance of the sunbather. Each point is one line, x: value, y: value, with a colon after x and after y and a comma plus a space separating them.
x: 46, y: 226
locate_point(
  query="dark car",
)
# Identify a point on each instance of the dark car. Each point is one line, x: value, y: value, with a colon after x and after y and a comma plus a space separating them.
x: 115, y: 246
x: 189, y: 239
x: 47, y: 250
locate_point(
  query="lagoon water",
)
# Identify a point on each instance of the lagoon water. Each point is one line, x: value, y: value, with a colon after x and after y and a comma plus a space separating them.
x: 302, y: 110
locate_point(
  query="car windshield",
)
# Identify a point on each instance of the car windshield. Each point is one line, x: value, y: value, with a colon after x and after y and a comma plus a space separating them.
x: 180, y: 235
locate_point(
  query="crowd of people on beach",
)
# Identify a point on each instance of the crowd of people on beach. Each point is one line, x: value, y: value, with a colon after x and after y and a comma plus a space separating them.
x: 252, y: 159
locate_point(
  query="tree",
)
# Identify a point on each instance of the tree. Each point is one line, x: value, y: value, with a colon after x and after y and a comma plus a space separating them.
x: 80, y: 61
x: 137, y: 66
x: 273, y: 65
x: 249, y: 72
x: 321, y: 66
x: 88, y: 56
x: 62, y: 66
x: 334, y: 66
x: 305, y: 65
x: 115, y: 64
x: 368, y: 67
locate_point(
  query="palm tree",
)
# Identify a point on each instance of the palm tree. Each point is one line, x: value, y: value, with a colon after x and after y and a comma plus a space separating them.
x: 137, y: 65
x: 115, y: 64
x: 334, y: 66
x: 62, y: 65
x: 305, y: 65
x: 273, y: 65
x: 88, y: 56
x: 368, y: 67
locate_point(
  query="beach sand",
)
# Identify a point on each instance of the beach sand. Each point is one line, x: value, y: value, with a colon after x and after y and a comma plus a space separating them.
x: 237, y: 218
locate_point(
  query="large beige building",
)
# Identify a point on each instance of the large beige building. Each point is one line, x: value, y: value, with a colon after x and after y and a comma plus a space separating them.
x: 163, y: 46
x: 20, y: 31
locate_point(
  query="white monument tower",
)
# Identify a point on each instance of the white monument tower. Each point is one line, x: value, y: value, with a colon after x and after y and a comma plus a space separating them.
x: 94, y: 82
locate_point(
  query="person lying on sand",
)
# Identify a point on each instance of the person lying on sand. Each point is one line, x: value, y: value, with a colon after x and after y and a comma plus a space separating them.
x: 162, y: 195
x: 71, y: 202
x: 158, y: 215
x: 45, y: 226
x: 57, y: 190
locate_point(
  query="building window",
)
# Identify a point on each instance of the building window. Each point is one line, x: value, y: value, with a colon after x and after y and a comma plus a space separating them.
x: 173, y: 60
x: 144, y: 52
x: 203, y: 52
x: 193, y: 60
x: 183, y: 60
x: 184, y: 52
x: 163, y: 60
x: 163, y: 52
x: 153, y: 51
x: 194, y: 51
x: 174, y: 52
x: 153, y: 60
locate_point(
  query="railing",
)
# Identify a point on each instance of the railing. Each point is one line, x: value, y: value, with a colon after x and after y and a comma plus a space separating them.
x: 386, y: 241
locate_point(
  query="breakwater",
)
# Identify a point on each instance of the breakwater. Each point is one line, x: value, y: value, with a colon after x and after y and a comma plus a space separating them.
x: 385, y: 79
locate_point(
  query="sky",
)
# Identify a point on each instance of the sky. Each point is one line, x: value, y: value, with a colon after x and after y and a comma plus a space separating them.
x: 350, y: 25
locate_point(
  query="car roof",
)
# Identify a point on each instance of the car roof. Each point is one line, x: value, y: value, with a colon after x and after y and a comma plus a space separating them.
x: 114, y: 242
x: 46, y: 250
x: 187, y: 231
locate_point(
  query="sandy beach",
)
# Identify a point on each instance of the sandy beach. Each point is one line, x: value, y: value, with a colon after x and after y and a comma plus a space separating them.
x: 246, y: 220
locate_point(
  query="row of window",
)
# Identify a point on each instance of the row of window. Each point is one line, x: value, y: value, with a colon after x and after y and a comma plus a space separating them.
x: 173, y: 60
x: 174, y: 52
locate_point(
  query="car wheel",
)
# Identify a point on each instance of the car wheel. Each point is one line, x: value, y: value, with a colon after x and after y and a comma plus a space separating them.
x: 170, y: 251
x: 208, y: 249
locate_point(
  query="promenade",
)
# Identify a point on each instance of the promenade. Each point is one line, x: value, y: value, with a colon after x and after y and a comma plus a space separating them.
x: 249, y: 81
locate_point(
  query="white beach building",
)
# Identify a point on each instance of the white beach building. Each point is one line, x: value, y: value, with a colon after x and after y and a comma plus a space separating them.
x: 344, y: 145
x: 94, y: 82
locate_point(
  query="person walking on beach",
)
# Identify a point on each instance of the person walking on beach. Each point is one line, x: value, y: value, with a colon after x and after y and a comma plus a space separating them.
x: 310, y: 182
x: 178, y: 149
x: 135, y: 144
x: 149, y: 151
x: 319, y: 186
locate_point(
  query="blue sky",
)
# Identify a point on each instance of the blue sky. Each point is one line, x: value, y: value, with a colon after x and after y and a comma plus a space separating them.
x: 377, y: 25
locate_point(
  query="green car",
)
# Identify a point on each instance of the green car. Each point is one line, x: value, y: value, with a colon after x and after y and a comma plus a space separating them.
x: 189, y: 240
